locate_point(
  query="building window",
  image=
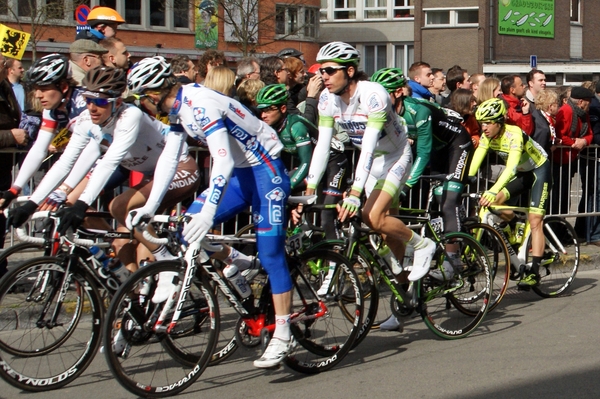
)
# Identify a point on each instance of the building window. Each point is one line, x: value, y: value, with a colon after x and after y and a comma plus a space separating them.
x: 404, y: 56
x: 575, y: 11
x: 454, y: 17
x: 404, y: 9
x: 108, y: 3
x: 375, y: 58
x: 375, y: 9
x: 133, y: 12
x: 157, y: 12
x: 344, y: 9
x: 55, y: 9
x: 26, y: 8
x: 3, y: 7
x: 181, y: 13
x: 300, y: 22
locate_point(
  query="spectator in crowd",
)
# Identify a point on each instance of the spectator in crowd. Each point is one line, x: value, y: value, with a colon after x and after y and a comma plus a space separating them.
x: 273, y: 71
x: 15, y: 75
x: 547, y: 103
x: 184, y: 69
x: 438, y: 86
x: 209, y: 60
x: 103, y: 22
x: 463, y: 101
x: 247, y: 68
x: 10, y: 136
x: 593, y: 222
x: 296, y: 80
x: 588, y: 84
x: 476, y: 79
x: 85, y: 54
x: 564, y: 92
x: 489, y: 88
x: 117, y: 55
x: 421, y: 79
x: 456, y: 78
x: 221, y: 79
x: 247, y: 92
x: 573, y: 130
x: 291, y: 52
x: 513, y: 92
x: 536, y: 81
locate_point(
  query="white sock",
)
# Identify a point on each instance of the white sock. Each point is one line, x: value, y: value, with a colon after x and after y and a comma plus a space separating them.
x: 162, y: 253
x: 416, y: 241
x: 238, y: 259
x: 282, y: 327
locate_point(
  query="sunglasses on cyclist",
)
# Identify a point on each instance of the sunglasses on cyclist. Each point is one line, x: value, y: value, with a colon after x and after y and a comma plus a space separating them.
x: 331, y: 70
x: 99, y: 102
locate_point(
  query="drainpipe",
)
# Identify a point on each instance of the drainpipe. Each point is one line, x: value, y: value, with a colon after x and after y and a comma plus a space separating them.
x: 491, y: 31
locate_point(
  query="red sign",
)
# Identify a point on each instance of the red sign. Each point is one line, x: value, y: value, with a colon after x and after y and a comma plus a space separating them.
x: 81, y: 14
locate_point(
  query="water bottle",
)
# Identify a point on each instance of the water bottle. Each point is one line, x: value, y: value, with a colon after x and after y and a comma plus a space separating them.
x: 100, y: 256
x: 117, y: 269
x: 386, y: 253
x: 232, y: 274
x: 519, y: 232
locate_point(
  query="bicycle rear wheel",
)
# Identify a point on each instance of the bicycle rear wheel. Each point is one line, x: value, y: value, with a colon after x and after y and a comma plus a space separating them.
x: 499, y: 257
x: 453, y: 309
x: 159, y: 363
x: 323, y: 333
x: 39, y: 352
x: 561, y: 258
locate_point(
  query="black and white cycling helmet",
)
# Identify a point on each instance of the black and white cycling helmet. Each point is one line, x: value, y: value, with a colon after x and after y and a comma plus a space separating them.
x: 49, y: 70
x: 107, y: 80
x: 149, y: 73
x: 339, y: 52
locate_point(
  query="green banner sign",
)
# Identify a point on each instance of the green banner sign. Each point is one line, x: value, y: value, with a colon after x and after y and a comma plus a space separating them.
x: 533, y: 18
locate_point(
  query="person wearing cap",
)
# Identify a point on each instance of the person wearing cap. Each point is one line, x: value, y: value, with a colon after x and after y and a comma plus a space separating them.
x: 291, y: 52
x: 103, y: 23
x: 574, y: 132
x: 85, y: 55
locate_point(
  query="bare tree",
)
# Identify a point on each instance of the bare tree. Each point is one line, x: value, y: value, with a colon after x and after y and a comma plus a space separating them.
x: 36, y: 17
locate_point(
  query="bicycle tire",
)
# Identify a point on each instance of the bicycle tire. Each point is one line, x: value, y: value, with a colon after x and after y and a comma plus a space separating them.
x: 158, y: 364
x: 499, y: 257
x: 323, y: 341
x: 455, y: 308
x: 36, y: 356
x: 21, y: 247
x: 561, y: 258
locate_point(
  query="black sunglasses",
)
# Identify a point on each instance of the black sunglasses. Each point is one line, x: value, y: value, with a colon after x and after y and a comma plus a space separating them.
x: 331, y: 70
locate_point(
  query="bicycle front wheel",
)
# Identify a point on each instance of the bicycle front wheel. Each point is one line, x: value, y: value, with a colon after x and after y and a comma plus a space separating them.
x: 561, y: 258
x: 323, y: 332
x: 50, y: 325
x: 146, y: 359
x: 453, y: 309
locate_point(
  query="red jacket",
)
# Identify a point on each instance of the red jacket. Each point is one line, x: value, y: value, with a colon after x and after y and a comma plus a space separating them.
x: 515, y: 115
x: 565, y: 137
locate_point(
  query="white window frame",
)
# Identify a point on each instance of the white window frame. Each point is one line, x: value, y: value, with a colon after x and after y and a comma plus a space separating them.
x: 404, y: 7
x: 301, y: 22
x: 377, y: 47
x: 577, y: 20
x: 408, y: 56
x: 328, y: 11
x: 453, y: 17
x: 377, y: 8
x: 346, y: 8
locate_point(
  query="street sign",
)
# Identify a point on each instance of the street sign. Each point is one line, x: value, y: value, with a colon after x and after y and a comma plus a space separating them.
x: 533, y: 61
x: 81, y: 14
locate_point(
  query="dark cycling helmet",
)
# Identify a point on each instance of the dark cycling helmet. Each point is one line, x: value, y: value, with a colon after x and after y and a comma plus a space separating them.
x: 106, y: 80
x: 49, y: 70
x: 150, y: 73
x: 390, y: 78
x: 339, y: 52
x: 272, y: 95
x: 492, y: 110
x: 289, y: 52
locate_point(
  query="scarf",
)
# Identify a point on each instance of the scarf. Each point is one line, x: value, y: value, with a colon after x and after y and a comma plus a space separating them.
x: 578, y: 113
x: 551, y: 121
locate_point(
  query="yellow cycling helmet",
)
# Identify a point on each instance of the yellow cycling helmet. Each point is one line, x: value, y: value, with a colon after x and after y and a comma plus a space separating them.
x: 492, y: 110
x: 104, y: 15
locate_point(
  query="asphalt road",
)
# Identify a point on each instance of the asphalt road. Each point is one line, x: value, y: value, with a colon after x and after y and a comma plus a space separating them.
x: 528, y: 347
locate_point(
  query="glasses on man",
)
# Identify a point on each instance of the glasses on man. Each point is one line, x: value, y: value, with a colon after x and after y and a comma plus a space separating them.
x: 271, y: 108
x: 99, y: 102
x: 330, y: 70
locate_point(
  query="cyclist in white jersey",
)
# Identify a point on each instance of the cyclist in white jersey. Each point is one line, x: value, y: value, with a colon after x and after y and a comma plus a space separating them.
x: 364, y: 110
x: 246, y: 171
x: 130, y: 138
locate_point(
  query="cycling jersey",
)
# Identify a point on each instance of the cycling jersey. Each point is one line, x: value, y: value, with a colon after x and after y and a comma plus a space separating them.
x: 64, y: 119
x: 517, y: 149
x: 133, y: 139
x: 372, y: 126
x: 294, y: 133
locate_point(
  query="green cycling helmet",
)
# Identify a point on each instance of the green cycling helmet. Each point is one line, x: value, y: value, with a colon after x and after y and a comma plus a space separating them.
x: 390, y: 78
x: 272, y: 95
x: 492, y: 110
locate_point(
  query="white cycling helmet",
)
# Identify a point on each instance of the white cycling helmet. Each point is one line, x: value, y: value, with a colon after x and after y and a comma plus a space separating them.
x: 149, y: 73
x: 339, y: 52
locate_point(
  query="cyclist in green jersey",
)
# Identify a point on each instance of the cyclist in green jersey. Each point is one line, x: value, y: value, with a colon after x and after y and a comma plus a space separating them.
x: 527, y: 168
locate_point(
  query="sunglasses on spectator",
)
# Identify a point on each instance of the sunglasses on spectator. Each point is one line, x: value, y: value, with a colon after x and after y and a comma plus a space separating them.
x: 99, y: 102
x: 331, y: 70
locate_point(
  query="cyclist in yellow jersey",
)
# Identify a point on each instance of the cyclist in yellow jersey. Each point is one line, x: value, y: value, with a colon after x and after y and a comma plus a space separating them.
x: 527, y: 168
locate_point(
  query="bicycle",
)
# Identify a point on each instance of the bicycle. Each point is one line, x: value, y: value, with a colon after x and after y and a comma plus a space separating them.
x: 323, y: 335
x: 561, y: 256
